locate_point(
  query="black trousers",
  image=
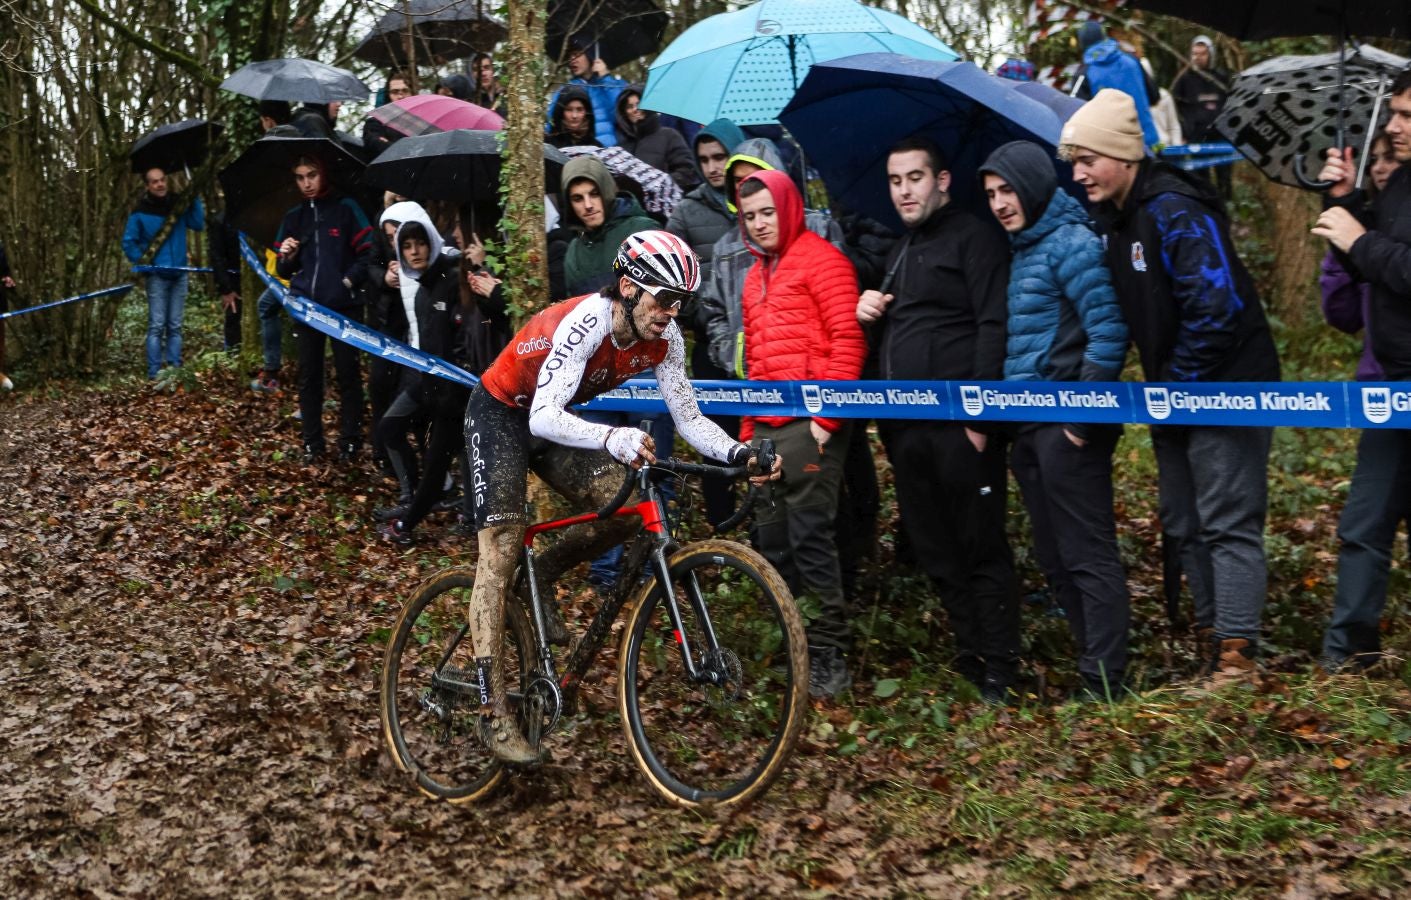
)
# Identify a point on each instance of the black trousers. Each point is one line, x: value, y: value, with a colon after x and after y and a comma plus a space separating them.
x: 952, y: 504
x: 1068, y: 492
x: 350, y: 386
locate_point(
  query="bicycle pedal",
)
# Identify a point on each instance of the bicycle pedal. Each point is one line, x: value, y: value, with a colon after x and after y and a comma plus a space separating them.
x: 462, y: 682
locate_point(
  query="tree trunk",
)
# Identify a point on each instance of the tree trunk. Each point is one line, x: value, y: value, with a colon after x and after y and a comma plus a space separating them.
x: 524, y: 261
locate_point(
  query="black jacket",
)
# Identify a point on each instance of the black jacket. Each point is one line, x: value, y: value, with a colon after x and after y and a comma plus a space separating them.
x: 655, y: 144
x: 1200, y: 319
x: 1199, y: 96
x: 947, y: 317
x: 1382, y: 258
x: 335, y: 244
x: 384, y: 304
x: 223, y: 246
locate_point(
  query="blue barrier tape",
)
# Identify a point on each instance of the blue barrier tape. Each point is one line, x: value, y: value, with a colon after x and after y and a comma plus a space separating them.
x: 1214, y: 148
x: 29, y: 309
x: 1325, y: 404
x: 162, y: 270
x: 340, y: 327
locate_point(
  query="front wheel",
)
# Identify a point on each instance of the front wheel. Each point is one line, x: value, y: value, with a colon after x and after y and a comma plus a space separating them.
x: 430, y: 689
x: 724, y: 735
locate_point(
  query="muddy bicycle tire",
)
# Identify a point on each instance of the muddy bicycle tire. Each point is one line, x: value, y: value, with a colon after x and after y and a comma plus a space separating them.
x: 430, y: 726
x: 701, y: 744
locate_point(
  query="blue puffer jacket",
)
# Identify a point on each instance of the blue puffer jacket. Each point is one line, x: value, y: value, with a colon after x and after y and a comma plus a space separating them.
x: 1064, y: 321
x: 147, y: 220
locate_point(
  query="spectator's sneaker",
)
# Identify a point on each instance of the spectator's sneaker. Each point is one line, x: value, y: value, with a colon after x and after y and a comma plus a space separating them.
x: 396, y: 532
x: 312, y: 454
x: 265, y: 383
x: 348, y: 451
x: 828, y: 675
x: 449, y: 502
x: 5, y: 383
x: 391, y: 513
x: 997, y: 693
x: 464, y: 528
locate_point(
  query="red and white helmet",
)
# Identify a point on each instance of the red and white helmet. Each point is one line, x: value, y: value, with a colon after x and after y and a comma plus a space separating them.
x: 659, y: 259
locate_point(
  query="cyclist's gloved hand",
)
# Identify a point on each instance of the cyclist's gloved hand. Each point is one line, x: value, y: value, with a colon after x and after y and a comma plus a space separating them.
x: 750, y: 457
x: 631, y: 446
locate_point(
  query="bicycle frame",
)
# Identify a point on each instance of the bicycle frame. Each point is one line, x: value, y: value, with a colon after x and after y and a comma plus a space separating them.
x: 654, y: 538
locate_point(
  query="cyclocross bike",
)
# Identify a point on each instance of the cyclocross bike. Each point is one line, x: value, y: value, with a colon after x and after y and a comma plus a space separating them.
x: 712, y: 671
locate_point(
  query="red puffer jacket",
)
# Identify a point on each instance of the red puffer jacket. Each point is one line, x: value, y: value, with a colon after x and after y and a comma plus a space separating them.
x: 800, y: 306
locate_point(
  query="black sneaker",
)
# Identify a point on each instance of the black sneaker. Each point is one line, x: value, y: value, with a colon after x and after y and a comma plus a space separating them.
x: 348, y: 451
x: 463, y: 528
x: 997, y: 693
x: 396, y: 532
x: 449, y: 502
x: 312, y: 454
x: 390, y: 513
x: 828, y: 675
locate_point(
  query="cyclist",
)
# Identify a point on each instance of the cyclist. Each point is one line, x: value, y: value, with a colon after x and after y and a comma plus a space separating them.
x: 517, y: 419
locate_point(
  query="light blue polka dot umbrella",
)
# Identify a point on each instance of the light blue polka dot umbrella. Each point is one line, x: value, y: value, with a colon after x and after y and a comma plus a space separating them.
x: 746, y: 65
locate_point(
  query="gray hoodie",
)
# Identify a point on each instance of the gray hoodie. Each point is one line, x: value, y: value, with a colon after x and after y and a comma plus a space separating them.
x: 406, y: 213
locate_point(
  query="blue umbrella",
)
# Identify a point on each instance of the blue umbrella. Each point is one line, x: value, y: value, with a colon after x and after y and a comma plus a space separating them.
x: 745, y: 65
x: 850, y: 112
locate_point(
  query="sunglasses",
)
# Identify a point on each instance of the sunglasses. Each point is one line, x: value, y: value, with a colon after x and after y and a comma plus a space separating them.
x: 665, y: 297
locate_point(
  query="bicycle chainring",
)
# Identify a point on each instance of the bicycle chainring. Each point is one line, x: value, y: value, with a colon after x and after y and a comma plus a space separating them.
x: 542, y: 705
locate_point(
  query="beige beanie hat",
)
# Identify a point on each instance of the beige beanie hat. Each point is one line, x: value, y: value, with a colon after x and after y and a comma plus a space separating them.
x: 1106, y: 124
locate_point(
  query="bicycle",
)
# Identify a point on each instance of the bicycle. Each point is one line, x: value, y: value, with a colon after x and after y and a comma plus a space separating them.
x: 712, y: 671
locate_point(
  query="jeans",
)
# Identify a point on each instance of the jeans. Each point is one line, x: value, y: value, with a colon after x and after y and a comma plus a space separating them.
x: 270, y: 307
x: 166, y: 310
x: 1376, y: 502
x: 1214, y: 486
x: 1068, y: 493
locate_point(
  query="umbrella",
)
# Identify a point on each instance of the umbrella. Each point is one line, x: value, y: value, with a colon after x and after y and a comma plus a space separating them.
x: 1259, y: 19
x: 618, y: 31
x: 430, y: 113
x: 178, y: 145
x: 656, y: 189
x: 1285, y: 110
x: 461, y: 166
x: 1063, y: 105
x: 440, y: 29
x: 745, y: 65
x: 848, y: 114
x: 259, y: 185
x: 297, y: 81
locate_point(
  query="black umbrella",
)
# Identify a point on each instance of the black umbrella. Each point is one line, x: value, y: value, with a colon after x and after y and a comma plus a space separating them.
x: 297, y: 81
x: 461, y: 165
x: 1284, y: 110
x: 440, y: 29
x: 175, y: 146
x: 1260, y: 19
x: 615, y: 31
x: 259, y: 186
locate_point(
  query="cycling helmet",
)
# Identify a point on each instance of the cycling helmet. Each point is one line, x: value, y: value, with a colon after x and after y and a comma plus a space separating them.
x: 658, y: 259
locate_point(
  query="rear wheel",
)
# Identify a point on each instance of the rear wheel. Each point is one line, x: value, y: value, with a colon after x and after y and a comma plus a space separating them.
x: 724, y: 735
x: 430, y: 689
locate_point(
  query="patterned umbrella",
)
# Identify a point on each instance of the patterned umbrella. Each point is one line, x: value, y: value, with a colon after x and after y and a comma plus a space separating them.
x: 658, y: 193
x: 430, y: 113
x: 1283, y: 113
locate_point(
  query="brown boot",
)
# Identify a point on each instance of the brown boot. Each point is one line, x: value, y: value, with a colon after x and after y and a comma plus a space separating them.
x: 1235, y: 663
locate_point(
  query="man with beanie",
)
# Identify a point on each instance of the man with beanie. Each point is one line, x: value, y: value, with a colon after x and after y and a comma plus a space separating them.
x: 1372, y: 238
x: 1107, y: 65
x: 1194, y: 314
x: 798, y: 309
x: 939, y: 315
x: 1065, y: 325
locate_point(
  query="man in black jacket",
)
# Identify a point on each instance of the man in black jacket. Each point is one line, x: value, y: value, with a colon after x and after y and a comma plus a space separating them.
x: 941, y: 315
x: 1200, y: 91
x: 1194, y: 314
x: 1374, y: 241
x: 223, y: 245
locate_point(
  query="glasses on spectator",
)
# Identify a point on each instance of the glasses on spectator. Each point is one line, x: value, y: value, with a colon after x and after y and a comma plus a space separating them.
x: 665, y: 297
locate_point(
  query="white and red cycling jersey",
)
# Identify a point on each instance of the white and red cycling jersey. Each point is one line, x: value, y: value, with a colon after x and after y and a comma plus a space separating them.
x: 566, y: 355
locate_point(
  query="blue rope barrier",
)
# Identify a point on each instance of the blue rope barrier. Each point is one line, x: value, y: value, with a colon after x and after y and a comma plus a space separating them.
x: 160, y: 270
x: 122, y: 288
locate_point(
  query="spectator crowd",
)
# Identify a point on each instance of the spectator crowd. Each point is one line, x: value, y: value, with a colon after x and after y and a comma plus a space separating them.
x: 1039, y: 288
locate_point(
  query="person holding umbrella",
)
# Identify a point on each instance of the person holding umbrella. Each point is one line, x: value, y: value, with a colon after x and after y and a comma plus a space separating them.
x: 1374, y: 240
x: 166, y: 290
x: 324, y: 245
x: 1195, y: 315
x: 600, y: 87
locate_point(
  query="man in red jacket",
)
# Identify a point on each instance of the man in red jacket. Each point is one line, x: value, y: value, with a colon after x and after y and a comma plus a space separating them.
x: 799, y: 301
